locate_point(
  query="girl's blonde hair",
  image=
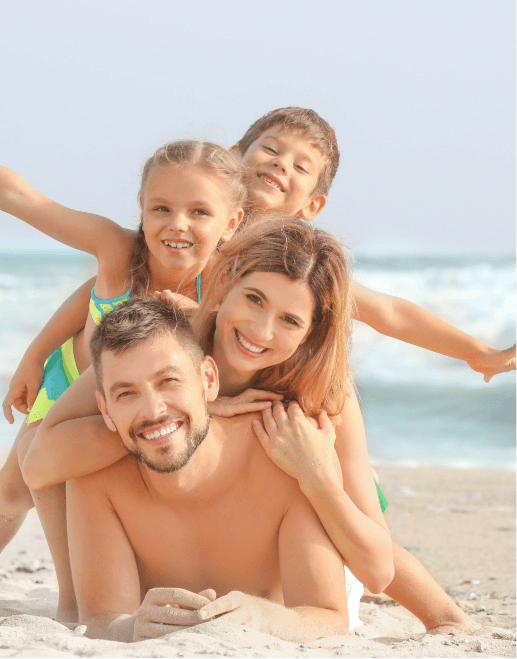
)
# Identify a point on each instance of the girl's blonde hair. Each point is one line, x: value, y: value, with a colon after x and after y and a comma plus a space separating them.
x: 222, y: 163
x: 318, y: 374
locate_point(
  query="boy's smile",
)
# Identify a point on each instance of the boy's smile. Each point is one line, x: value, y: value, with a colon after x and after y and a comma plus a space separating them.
x: 284, y: 169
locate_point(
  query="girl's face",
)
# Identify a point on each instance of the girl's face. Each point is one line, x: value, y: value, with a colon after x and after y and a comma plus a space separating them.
x: 185, y: 213
x: 262, y: 321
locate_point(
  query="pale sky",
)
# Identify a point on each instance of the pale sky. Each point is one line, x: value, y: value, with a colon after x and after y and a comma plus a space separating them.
x: 421, y: 94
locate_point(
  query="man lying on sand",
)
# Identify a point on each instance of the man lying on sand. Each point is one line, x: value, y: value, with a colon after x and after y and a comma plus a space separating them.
x: 196, y: 507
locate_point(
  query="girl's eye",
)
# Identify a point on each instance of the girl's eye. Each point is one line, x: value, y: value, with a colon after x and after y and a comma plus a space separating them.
x: 162, y: 209
x: 199, y: 211
x: 254, y: 298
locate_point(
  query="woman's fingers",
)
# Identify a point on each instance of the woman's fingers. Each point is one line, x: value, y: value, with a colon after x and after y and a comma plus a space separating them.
x: 269, y: 422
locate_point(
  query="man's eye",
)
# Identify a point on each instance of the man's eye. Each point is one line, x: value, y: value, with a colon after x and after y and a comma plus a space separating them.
x: 169, y: 380
x: 125, y: 394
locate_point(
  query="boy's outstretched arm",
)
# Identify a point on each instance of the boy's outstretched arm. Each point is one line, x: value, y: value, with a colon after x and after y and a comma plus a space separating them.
x: 406, y: 321
x: 66, y: 322
x: 87, y: 232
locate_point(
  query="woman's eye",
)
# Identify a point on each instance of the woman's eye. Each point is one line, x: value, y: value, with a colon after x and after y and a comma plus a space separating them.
x: 254, y: 298
x: 291, y: 321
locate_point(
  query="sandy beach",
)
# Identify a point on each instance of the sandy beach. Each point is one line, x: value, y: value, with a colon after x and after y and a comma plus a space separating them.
x: 460, y: 524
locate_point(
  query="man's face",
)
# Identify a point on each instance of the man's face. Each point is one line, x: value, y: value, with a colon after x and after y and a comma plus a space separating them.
x: 284, y: 169
x: 155, y: 398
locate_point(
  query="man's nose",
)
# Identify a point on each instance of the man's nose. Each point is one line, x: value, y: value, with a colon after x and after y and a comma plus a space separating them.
x: 153, y: 404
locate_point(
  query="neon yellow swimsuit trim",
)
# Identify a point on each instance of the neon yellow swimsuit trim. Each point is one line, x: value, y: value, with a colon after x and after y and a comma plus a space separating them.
x: 60, y: 367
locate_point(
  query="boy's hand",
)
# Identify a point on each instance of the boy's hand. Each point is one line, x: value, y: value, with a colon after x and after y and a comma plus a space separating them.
x: 166, y: 610
x: 188, y: 306
x: 235, y: 607
x: 493, y: 361
x: 251, y: 400
x: 294, y: 444
x: 23, y: 388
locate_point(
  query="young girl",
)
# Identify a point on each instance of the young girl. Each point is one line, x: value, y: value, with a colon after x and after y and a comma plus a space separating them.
x: 191, y: 198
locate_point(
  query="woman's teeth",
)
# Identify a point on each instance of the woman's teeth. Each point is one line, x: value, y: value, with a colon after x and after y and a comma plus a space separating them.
x: 177, y: 245
x: 247, y: 345
x: 161, y: 433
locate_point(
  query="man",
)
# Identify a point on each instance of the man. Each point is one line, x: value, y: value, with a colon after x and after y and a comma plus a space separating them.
x: 195, y: 507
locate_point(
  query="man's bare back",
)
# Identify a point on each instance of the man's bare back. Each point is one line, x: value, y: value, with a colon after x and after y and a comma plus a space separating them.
x: 201, y: 506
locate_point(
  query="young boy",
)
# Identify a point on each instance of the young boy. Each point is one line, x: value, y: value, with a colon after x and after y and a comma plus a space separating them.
x: 292, y: 156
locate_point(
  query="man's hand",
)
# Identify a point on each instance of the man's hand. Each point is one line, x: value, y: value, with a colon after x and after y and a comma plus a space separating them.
x: 493, y: 361
x: 294, y: 444
x: 235, y: 607
x: 166, y: 610
x: 23, y: 388
x: 251, y: 400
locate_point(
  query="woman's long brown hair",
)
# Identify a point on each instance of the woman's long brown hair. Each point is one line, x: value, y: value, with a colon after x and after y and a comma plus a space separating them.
x: 318, y: 374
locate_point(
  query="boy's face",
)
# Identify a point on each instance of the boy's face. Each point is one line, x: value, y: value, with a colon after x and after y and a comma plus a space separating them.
x: 284, y: 169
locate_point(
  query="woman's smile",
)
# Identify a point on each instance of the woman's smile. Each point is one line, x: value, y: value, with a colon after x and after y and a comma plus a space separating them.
x: 247, y: 347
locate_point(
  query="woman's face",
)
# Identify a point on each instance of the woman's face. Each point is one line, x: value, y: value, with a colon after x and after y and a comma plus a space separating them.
x: 262, y: 321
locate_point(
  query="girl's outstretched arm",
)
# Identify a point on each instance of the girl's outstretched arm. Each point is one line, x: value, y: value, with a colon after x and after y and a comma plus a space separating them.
x: 406, y: 321
x: 67, y: 321
x: 58, y: 452
x: 89, y: 233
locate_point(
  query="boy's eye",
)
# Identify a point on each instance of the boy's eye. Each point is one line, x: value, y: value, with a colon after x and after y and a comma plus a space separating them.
x: 271, y: 150
x: 162, y: 209
x: 301, y: 169
x: 199, y: 211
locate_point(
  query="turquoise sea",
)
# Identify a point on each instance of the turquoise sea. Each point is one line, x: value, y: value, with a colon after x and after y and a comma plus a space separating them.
x: 419, y: 408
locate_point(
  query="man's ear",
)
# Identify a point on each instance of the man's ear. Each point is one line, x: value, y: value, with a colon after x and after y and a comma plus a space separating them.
x: 210, y: 378
x: 313, y: 207
x: 101, y: 402
x: 233, y: 225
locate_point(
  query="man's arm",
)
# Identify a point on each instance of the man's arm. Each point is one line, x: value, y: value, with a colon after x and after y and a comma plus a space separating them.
x: 406, y: 321
x: 67, y: 321
x: 106, y: 578
x: 313, y: 583
x: 72, y: 440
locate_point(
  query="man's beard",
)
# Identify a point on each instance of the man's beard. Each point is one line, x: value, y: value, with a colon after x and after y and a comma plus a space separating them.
x: 195, y: 436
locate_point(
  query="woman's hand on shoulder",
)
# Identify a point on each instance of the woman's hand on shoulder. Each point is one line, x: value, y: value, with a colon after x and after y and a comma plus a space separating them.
x: 251, y: 400
x: 188, y: 306
x: 296, y: 444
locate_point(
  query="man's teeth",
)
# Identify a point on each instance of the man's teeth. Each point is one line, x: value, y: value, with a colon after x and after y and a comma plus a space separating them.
x: 177, y: 245
x: 161, y: 433
x: 248, y: 345
x: 270, y: 181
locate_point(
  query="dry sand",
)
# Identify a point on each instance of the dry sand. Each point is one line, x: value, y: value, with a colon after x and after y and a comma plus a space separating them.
x: 460, y: 524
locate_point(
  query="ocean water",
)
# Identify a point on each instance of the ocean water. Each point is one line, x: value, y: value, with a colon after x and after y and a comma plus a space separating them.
x: 420, y: 408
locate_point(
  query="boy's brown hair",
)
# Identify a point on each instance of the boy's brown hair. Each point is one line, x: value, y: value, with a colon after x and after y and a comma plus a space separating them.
x: 312, y: 125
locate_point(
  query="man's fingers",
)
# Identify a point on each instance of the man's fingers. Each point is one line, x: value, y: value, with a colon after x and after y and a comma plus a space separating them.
x: 222, y: 605
x: 172, y: 615
x: 179, y: 596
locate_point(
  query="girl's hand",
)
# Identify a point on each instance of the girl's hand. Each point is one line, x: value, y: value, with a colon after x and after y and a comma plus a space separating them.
x: 23, y: 388
x: 493, y: 361
x: 251, y: 400
x: 187, y: 305
x: 295, y: 445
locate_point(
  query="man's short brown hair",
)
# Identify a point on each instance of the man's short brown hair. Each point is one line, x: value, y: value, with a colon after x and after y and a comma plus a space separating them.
x: 138, y: 320
x: 312, y: 125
